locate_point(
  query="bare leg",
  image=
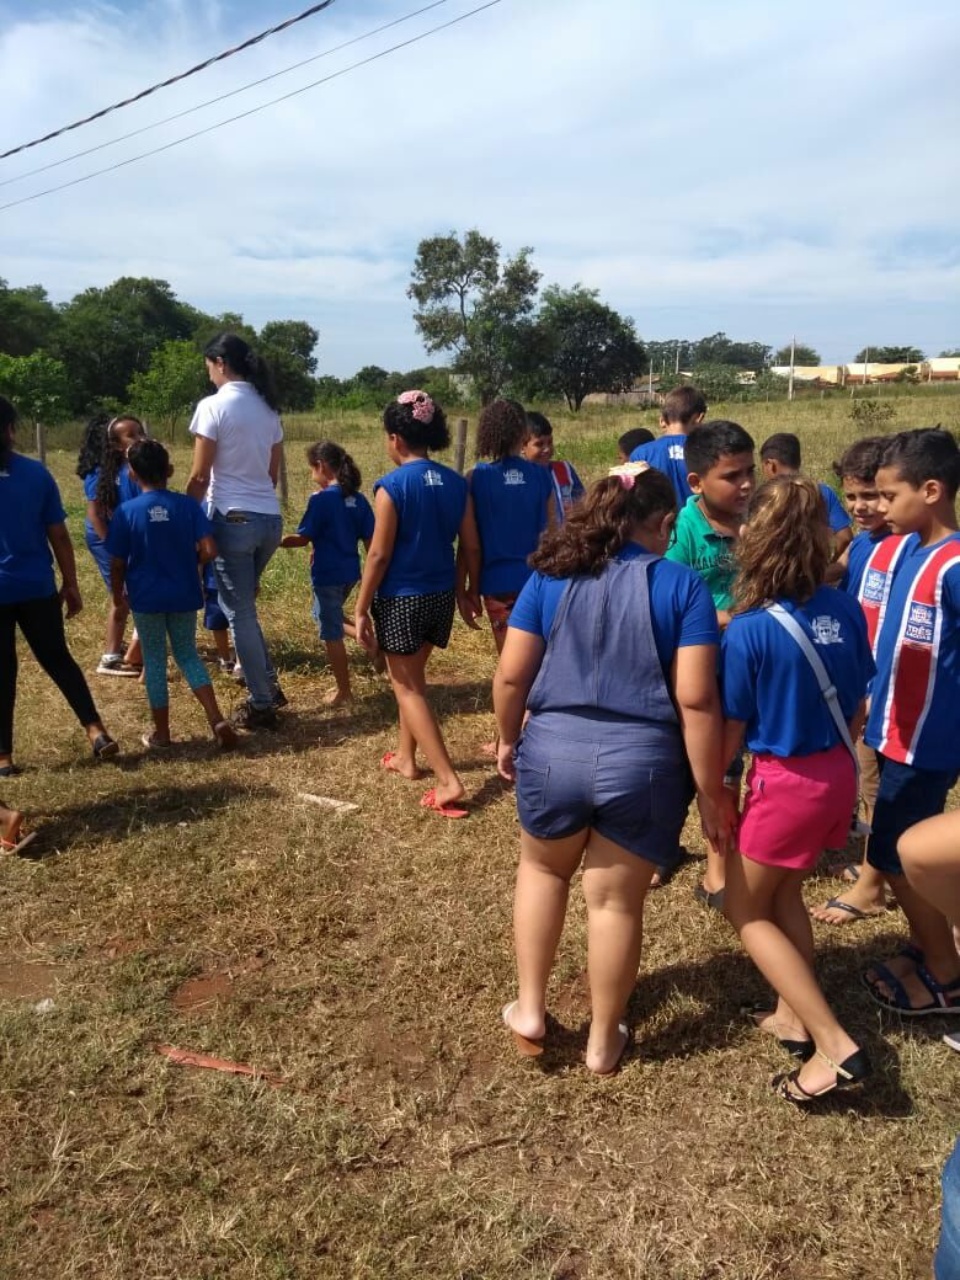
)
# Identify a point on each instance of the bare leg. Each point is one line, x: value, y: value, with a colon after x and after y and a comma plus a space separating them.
x: 418, y: 725
x: 337, y: 658
x: 755, y: 906
x: 931, y: 931
x: 134, y: 655
x: 221, y: 640
x: 539, y: 908
x: 11, y: 821
x: 116, y: 624
x: 615, y: 883
x: 161, y: 726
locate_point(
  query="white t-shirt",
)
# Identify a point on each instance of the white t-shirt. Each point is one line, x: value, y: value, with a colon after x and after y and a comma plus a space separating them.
x: 245, y: 429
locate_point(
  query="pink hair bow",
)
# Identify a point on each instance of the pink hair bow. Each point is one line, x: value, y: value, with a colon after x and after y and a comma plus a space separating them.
x: 423, y: 407
x: 627, y: 472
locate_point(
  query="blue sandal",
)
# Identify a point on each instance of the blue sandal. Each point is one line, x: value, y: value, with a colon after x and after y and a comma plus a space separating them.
x: 944, y: 997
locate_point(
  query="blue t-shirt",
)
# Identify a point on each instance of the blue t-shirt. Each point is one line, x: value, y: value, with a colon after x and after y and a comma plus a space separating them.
x: 837, y: 516
x: 681, y: 610
x: 510, y: 500
x: 157, y: 535
x: 335, y: 524
x: 858, y: 553
x: 430, y: 500
x: 29, y: 504
x: 127, y: 489
x: 666, y: 454
x: 916, y: 696
x: 768, y: 682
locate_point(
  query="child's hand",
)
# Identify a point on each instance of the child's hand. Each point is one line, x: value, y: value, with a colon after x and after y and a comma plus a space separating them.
x: 505, y: 766
x: 71, y: 600
x: 470, y: 609
x: 292, y: 540
x: 719, y: 819
x: 366, y: 636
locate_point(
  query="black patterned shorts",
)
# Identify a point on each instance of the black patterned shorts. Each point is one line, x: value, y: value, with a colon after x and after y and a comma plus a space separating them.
x: 404, y: 624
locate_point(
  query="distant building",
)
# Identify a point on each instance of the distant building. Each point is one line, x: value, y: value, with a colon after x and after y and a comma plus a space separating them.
x: 940, y: 369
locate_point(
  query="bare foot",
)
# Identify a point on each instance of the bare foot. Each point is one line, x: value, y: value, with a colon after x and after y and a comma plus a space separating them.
x: 393, y: 762
x: 604, y: 1054
x: 449, y: 794
x: 766, y: 1020
x: 489, y: 749
x: 337, y: 698
x: 856, y: 905
x: 532, y: 1028
x: 11, y: 828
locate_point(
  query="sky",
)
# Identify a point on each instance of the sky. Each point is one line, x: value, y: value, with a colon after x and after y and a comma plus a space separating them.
x: 759, y: 169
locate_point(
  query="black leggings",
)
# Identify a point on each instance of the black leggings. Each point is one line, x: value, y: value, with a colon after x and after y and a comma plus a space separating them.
x: 41, y: 622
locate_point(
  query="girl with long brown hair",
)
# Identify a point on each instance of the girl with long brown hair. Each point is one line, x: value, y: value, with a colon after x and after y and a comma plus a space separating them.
x: 612, y: 650
x: 795, y: 664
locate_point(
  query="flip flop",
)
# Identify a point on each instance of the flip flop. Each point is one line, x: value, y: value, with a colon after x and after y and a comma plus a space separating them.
x: 429, y: 801
x: 225, y: 735
x: 627, y: 1033
x: 10, y: 846
x: 10, y: 771
x: 837, y: 904
x: 525, y: 1047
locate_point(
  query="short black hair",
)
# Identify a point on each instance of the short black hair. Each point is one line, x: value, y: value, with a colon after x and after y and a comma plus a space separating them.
x: 861, y: 460
x: 784, y: 447
x: 633, y: 439
x: 399, y: 420
x: 929, y: 453
x: 539, y: 424
x: 149, y: 460
x: 711, y: 441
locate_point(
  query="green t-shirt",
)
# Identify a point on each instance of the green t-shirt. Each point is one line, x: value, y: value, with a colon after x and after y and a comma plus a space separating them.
x: 714, y: 555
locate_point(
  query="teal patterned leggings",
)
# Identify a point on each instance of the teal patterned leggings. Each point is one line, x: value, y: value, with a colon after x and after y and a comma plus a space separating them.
x: 153, y: 629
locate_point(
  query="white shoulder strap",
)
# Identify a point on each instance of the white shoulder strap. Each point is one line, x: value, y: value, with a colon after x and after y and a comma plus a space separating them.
x: 827, y: 688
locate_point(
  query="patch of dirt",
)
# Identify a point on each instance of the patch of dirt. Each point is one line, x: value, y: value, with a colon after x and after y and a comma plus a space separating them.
x: 196, y: 995
x: 22, y: 980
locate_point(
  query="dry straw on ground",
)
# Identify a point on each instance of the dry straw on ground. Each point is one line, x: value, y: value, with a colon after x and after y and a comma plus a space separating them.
x: 363, y: 957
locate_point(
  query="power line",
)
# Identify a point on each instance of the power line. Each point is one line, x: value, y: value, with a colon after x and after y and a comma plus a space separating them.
x: 253, y: 84
x: 145, y: 93
x: 199, y: 133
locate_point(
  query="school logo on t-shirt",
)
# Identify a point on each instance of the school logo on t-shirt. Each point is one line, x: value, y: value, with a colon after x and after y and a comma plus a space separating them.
x: 874, y: 586
x: 514, y: 477
x: 826, y: 630
x: 432, y: 478
x: 349, y: 502
x: 158, y: 515
x: 920, y: 621
x: 676, y: 452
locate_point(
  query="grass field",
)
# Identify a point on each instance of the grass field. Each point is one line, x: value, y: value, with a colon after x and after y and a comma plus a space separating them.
x: 362, y: 960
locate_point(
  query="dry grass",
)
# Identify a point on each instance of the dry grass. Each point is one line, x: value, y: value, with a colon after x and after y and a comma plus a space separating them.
x: 365, y: 958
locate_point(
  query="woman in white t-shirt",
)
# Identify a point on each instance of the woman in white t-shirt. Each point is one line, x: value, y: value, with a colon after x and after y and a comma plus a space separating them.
x: 236, y: 461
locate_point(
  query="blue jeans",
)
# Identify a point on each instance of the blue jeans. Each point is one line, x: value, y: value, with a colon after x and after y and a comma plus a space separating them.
x: 245, y: 543
x: 946, y: 1265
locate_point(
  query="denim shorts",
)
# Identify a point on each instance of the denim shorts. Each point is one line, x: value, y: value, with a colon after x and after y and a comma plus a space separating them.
x: 328, y: 609
x: 214, y: 619
x: 905, y: 797
x: 630, y: 782
x: 101, y: 558
x: 946, y: 1265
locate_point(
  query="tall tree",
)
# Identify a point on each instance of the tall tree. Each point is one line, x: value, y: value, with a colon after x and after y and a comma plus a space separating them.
x: 583, y: 345
x: 889, y: 355
x: 802, y: 355
x: 719, y: 349
x: 28, y: 319
x: 170, y: 388
x: 289, y: 346
x: 475, y: 306
x: 37, y: 384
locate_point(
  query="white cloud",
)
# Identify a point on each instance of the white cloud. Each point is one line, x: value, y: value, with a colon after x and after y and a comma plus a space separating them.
x: 702, y: 159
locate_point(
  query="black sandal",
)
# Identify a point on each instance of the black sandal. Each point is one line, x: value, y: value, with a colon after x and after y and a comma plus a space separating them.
x: 852, y: 1071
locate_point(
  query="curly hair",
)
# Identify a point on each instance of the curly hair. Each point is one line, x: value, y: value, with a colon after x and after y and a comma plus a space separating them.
x: 111, y: 462
x: 399, y: 420
x: 339, y: 462
x: 92, y: 444
x: 501, y: 430
x: 601, y: 524
x: 784, y: 549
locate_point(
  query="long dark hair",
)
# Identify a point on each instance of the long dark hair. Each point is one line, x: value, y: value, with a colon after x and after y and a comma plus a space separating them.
x: 339, y: 462
x: 92, y: 445
x: 601, y: 524
x: 241, y: 359
x: 111, y: 464
x: 8, y: 422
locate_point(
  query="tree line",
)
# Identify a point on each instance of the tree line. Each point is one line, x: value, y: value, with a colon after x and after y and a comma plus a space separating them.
x: 135, y: 342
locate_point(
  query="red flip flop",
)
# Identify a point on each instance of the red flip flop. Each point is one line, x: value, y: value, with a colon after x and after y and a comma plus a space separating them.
x: 429, y: 801
x: 20, y: 843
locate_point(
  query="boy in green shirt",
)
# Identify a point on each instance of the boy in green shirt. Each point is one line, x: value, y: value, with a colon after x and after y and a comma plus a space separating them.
x: 721, y: 474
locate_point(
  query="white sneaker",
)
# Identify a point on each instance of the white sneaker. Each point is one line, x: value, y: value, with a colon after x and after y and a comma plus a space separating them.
x: 112, y: 664
x: 952, y: 1040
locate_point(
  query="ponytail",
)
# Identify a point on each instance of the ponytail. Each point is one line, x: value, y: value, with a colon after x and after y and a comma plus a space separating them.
x: 340, y: 463
x: 242, y: 360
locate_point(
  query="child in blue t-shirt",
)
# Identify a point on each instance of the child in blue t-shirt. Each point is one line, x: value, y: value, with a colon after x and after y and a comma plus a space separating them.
x: 157, y: 542
x: 337, y: 518
x: 407, y: 596
x: 802, y: 784
x: 780, y: 455
x: 683, y: 409
x: 513, y: 502
x: 102, y: 466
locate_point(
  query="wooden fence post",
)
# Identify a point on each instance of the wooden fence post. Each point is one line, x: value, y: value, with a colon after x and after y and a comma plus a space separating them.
x: 282, y: 477
x: 460, y: 447
x: 42, y: 443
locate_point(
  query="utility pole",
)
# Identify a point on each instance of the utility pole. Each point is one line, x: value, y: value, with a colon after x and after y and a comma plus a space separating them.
x: 793, y: 355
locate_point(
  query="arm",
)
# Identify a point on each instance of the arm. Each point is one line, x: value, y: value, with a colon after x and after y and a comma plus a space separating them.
x: 842, y: 540
x: 375, y: 567
x: 516, y: 671
x: 469, y: 557
x: 97, y: 520
x: 294, y: 540
x: 118, y: 577
x: 62, y: 548
x: 206, y: 550
x: 698, y: 704
x: 204, y: 453
x: 273, y: 467
x: 552, y: 511
x: 837, y: 570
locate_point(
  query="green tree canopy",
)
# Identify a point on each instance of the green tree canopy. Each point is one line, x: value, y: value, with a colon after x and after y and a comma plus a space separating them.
x: 169, y: 389
x: 889, y: 355
x: 581, y: 345
x: 475, y: 306
x: 37, y: 384
x: 718, y: 349
x: 28, y: 319
x: 802, y: 355
x: 289, y: 347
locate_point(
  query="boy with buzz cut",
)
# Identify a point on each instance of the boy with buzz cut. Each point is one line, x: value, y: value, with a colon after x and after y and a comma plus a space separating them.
x: 780, y: 456
x: 683, y: 409
x: 912, y: 591
x: 722, y: 476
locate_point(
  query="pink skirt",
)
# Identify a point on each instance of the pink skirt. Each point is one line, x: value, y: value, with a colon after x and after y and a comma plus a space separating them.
x: 797, y: 806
